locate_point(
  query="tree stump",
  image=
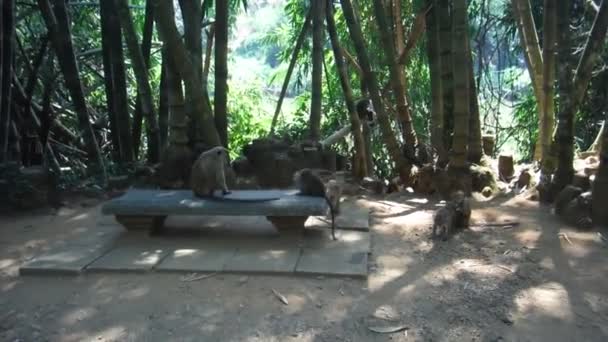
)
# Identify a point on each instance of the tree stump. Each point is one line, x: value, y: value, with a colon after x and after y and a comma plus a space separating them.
x: 506, y: 169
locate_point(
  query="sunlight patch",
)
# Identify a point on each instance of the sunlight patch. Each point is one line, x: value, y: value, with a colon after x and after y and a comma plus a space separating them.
x: 550, y: 299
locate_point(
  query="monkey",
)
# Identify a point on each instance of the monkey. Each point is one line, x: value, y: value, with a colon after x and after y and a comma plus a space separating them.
x: 365, y: 110
x: 309, y: 184
x: 565, y: 196
x: 333, y: 191
x: 456, y: 214
x: 577, y: 211
x: 462, y: 209
x: 208, y: 173
x: 444, y: 221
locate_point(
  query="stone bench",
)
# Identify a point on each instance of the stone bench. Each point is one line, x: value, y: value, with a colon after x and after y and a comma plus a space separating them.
x: 140, y: 209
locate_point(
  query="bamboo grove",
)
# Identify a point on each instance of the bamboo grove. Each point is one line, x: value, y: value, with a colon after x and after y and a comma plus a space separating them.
x: 104, y: 85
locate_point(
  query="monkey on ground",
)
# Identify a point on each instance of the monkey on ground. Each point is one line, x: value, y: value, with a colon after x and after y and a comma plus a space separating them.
x: 208, y: 172
x: 444, y: 221
x: 455, y: 215
x: 309, y: 184
x: 577, y: 211
x: 565, y: 196
x: 462, y: 208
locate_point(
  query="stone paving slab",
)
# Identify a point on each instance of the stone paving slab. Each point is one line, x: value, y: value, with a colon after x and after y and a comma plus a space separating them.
x: 351, y: 217
x: 208, y: 259
x: 210, y: 244
x: 65, y: 260
x: 321, y: 239
x: 129, y: 259
x: 338, y: 261
x: 266, y: 261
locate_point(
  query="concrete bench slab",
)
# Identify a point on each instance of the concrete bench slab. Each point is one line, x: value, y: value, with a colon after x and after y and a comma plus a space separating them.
x: 143, y: 209
x: 238, y: 203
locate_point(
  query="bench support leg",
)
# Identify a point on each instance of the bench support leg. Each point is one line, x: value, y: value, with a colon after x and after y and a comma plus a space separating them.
x: 288, y: 223
x: 141, y: 223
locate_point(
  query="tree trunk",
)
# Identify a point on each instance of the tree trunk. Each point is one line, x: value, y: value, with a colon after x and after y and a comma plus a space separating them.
x: 208, y: 51
x: 564, y: 138
x: 115, y: 83
x: 447, y: 77
x: 591, y: 54
x: 163, y: 103
x: 534, y: 61
x: 178, y: 123
x: 180, y: 58
x: 475, y: 151
x: 58, y: 26
x: 360, y: 164
x: 397, y: 77
x: 6, y: 69
x: 434, y: 55
x: 292, y: 64
x: 177, y: 157
x: 146, y: 46
x: 316, y: 98
x: 600, y: 185
x: 572, y: 90
x: 192, y: 18
x: 221, y: 70
x: 461, y: 85
x: 547, y: 108
x: 143, y: 83
x: 192, y: 13
x: 402, y: 167
x: 596, y: 147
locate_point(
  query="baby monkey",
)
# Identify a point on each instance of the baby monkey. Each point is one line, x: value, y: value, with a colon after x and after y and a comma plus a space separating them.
x: 309, y: 184
x: 208, y: 172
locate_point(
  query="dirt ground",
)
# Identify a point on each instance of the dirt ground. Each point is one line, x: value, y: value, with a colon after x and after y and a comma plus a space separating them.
x: 491, y: 283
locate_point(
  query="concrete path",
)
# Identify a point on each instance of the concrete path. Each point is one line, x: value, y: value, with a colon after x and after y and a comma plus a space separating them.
x: 199, y: 244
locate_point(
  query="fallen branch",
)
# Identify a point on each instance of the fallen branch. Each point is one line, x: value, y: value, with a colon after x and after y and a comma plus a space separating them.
x: 193, y: 277
x: 563, y: 235
x: 280, y: 297
x: 505, y: 225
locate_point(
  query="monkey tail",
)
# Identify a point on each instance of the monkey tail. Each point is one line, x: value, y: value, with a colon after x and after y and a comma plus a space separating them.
x: 333, y: 218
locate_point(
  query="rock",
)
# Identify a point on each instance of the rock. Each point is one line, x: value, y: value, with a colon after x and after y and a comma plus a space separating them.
x: 581, y: 180
x: 524, y: 179
x: 505, y: 166
x: 374, y: 185
x: 119, y: 182
x: 481, y: 177
x: 488, y: 143
x: 395, y: 185
x: 591, y: 170
x: 425, y: 180
x: 486, y: 192
x: 242, y: 167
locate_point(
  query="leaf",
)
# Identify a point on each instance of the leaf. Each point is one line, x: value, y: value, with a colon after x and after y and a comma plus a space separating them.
x: 389, y: 329
x: 280, y: 297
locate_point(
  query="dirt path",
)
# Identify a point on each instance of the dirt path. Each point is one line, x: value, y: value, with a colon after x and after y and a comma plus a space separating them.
x: 522, y: 283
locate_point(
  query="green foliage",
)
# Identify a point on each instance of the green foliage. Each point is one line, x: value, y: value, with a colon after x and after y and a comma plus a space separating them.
x: 524, y: 131
x: 247, y: 120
